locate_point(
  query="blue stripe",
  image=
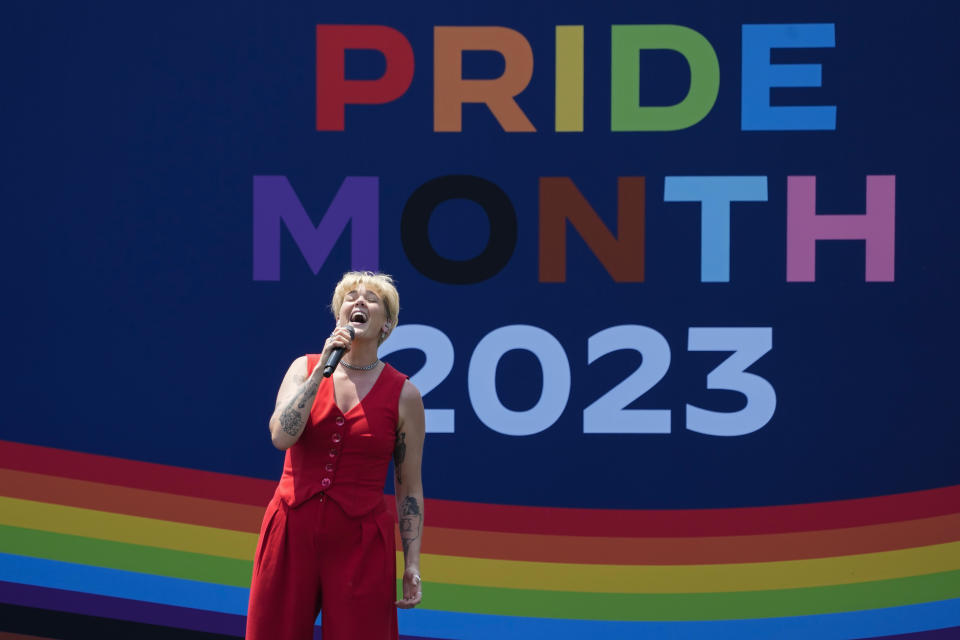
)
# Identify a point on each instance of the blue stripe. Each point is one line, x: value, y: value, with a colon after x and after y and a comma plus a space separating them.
x: 835, y: 626
x: 123, y: 584
x: 471, y: 626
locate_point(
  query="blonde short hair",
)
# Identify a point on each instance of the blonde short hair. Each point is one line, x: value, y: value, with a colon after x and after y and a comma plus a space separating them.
x: 381, y: 283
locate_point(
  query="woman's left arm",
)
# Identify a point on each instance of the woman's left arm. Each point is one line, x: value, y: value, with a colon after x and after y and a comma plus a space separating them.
x: 407, y: 456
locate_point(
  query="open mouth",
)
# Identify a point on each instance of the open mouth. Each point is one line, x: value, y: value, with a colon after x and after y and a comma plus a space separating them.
x: 358, y: 316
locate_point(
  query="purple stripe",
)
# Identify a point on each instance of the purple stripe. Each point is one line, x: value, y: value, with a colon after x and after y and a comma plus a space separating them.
x: 131, y: 610
x: 939, y: 634
x: 121, y: 609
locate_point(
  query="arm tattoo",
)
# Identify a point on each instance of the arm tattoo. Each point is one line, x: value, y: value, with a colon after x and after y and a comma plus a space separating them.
x: 291, y: 419
x: 411, y: 520
x: 399, y: 453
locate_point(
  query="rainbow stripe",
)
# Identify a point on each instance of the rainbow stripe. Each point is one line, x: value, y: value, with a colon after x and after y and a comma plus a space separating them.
x: 151, y: 543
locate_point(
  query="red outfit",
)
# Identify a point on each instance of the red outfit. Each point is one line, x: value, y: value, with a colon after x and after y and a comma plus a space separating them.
x: 327, y: 539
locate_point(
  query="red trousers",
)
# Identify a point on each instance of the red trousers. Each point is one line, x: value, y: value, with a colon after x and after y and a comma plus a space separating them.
x: 315, y: 557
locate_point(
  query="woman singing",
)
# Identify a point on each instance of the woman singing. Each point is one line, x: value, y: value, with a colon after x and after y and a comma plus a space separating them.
x: 327, y: 539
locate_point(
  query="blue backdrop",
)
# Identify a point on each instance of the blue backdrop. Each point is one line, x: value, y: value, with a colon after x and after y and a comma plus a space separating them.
x: 138, y: 330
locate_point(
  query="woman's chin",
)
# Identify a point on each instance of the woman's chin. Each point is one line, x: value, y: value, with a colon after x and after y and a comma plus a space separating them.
x: 360, y: 331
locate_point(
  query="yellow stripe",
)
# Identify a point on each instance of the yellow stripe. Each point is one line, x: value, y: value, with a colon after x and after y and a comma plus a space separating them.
x: 104, y: 525
x: 757, y: 576
x: 549, y: 576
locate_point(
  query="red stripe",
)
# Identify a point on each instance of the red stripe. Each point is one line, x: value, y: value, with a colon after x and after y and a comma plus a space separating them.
x: 135, y: 474
x: 671, y: 523
x: 507, y: 518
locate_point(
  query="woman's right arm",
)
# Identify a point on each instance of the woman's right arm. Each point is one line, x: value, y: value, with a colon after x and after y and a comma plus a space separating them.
x: 298, y: 391
x: 294, y: 401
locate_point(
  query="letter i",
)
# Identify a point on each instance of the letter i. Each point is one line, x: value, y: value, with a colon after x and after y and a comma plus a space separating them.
x: 569, y: 96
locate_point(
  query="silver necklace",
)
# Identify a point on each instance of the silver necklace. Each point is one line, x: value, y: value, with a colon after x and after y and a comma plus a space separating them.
x: 363, y: 368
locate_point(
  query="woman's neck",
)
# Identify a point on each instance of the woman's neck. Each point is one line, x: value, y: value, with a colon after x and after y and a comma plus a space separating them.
x: 361, y: 354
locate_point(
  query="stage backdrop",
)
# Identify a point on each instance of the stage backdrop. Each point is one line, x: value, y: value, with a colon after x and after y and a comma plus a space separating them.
x: 677, y: 284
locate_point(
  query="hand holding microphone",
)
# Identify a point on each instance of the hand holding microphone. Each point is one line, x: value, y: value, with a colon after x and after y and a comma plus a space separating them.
x: 336, y: 353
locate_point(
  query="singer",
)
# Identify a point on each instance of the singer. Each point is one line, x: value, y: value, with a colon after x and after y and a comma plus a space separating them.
x: 327, y: 540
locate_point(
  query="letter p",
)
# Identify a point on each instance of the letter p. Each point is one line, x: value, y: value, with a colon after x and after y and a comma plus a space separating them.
x: 334, y: 91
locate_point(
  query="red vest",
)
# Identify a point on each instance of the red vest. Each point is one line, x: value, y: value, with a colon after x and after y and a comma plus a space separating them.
x: 345, y: 455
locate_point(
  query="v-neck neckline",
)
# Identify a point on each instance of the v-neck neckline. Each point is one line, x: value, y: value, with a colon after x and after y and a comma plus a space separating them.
x: 333, y: 390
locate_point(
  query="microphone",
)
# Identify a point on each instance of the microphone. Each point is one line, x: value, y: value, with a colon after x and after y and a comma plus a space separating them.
x: 335, y: 356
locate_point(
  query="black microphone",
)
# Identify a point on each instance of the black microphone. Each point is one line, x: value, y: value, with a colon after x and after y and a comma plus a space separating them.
x: 335, y: 356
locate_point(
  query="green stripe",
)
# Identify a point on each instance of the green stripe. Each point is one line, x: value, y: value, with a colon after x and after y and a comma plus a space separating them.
x: 127, y: 557
x: 511, y: 602
x: 693, y: 606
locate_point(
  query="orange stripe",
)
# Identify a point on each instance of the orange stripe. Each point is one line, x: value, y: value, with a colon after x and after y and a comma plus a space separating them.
x: 707, y: 550
x: 134, y: 502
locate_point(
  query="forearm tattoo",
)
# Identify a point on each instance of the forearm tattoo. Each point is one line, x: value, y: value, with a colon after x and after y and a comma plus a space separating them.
x: 411, y: 521
x: 297, y: 380
x: 292, y: 417
x: 399, y: 453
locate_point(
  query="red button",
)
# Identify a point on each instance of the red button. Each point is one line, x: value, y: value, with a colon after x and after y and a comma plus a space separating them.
x: 325, y: 482
x: 333, y: 453
x: 329, y: 467
x: 336, y: 437
x: 339, y: 420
